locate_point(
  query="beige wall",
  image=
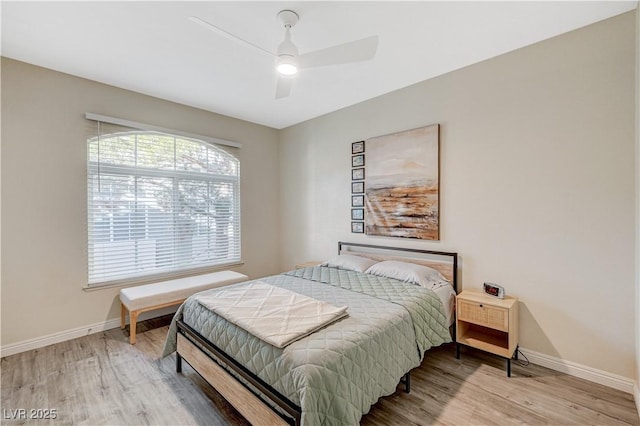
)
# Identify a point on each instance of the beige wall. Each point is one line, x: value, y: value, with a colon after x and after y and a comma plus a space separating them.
x: 44, y: 266
x: 537, y: 184
x: 637, y: 92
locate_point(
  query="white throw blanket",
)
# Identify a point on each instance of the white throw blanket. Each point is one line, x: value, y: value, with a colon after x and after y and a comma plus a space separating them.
x: 273, y: 314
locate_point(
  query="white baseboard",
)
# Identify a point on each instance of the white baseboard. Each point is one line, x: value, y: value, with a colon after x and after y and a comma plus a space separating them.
x: 62, y: 336
x: 578, y: 370
x: 636, y: 396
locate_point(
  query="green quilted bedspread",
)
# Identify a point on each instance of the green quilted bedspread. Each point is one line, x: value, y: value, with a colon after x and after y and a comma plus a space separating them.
x: 338, y: 372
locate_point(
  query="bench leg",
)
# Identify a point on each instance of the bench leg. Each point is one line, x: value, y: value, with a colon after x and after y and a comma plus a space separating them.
x: 123, y: 313
x: 133, y: 318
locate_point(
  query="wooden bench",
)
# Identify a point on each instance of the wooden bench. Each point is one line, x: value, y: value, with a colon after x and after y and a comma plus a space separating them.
x: 168, y: 293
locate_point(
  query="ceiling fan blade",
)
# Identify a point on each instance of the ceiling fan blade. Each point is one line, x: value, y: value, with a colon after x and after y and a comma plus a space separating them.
x: 283, y: 86
x: 354, y: 51
x: 227, y: 34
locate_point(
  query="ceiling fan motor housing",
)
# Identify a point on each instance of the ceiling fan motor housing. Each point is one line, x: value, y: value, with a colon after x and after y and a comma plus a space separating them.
x: 288, y: 17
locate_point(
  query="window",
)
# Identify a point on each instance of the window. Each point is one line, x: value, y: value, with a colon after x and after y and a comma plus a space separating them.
x: 159, y: 204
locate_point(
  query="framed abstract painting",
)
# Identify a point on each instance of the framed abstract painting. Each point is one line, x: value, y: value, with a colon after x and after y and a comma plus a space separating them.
x: 402, y: 189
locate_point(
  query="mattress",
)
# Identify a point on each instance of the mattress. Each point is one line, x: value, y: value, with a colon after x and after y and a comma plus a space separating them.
x: 338, y: 372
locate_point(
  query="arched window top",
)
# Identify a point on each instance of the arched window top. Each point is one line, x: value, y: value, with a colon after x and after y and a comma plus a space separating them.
x: 161, y: 151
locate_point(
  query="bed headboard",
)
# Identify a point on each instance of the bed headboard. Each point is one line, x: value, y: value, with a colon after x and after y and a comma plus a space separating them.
x: 445, y: 262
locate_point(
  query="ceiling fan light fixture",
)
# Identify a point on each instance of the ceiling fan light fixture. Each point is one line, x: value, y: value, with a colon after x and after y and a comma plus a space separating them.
x: 288, y: 61
x: 287, y: 65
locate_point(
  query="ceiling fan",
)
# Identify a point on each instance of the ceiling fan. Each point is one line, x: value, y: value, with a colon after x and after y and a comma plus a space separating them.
x: 287, y: 59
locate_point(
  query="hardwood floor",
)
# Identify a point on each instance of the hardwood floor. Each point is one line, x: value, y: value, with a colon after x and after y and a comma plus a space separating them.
x: 102, y: 380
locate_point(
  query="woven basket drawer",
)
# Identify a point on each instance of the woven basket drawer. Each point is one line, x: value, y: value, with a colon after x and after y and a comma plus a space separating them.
x: 485, y: 315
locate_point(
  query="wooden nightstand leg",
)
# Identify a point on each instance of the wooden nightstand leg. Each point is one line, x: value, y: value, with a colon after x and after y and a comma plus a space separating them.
x: 178, y: 363
x: 508, y: 367
x: 457, y: 350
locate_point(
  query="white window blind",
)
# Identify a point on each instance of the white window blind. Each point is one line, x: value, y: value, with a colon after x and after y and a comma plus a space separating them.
x: 159, y: 204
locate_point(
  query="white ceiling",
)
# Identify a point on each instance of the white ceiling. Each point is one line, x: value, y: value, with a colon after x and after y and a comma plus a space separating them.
x: 152, y: 48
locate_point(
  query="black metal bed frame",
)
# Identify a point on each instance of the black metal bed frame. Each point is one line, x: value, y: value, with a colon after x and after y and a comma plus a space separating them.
x: 273, y: 395
x: 453, y: 255
x: 294, y: 412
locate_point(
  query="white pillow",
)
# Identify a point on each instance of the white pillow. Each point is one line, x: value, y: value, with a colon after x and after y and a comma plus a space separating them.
x: 409, y: 272
x: 350, y: 262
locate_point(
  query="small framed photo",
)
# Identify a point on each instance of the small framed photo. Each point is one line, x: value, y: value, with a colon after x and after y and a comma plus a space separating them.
x: 357, y: 160
x: 357, y: 214
x: 357, y: 227
x: 357, y: 201
x: 357, y: 147
x: 357, y: 187
x: 357, y: 174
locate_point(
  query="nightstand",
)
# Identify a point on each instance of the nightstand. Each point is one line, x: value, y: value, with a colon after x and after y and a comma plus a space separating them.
x: 487, y: 323
x: 308, y: 264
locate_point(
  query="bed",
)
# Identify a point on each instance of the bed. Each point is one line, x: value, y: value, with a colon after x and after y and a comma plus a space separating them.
x: 335, y: 374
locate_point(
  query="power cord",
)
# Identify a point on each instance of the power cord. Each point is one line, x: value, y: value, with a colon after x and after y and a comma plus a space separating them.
x: 518, y: 354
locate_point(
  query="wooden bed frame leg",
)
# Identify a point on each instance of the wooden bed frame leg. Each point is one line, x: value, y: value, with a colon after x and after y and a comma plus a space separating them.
x: 406, y: 380
x: 178, y: 363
